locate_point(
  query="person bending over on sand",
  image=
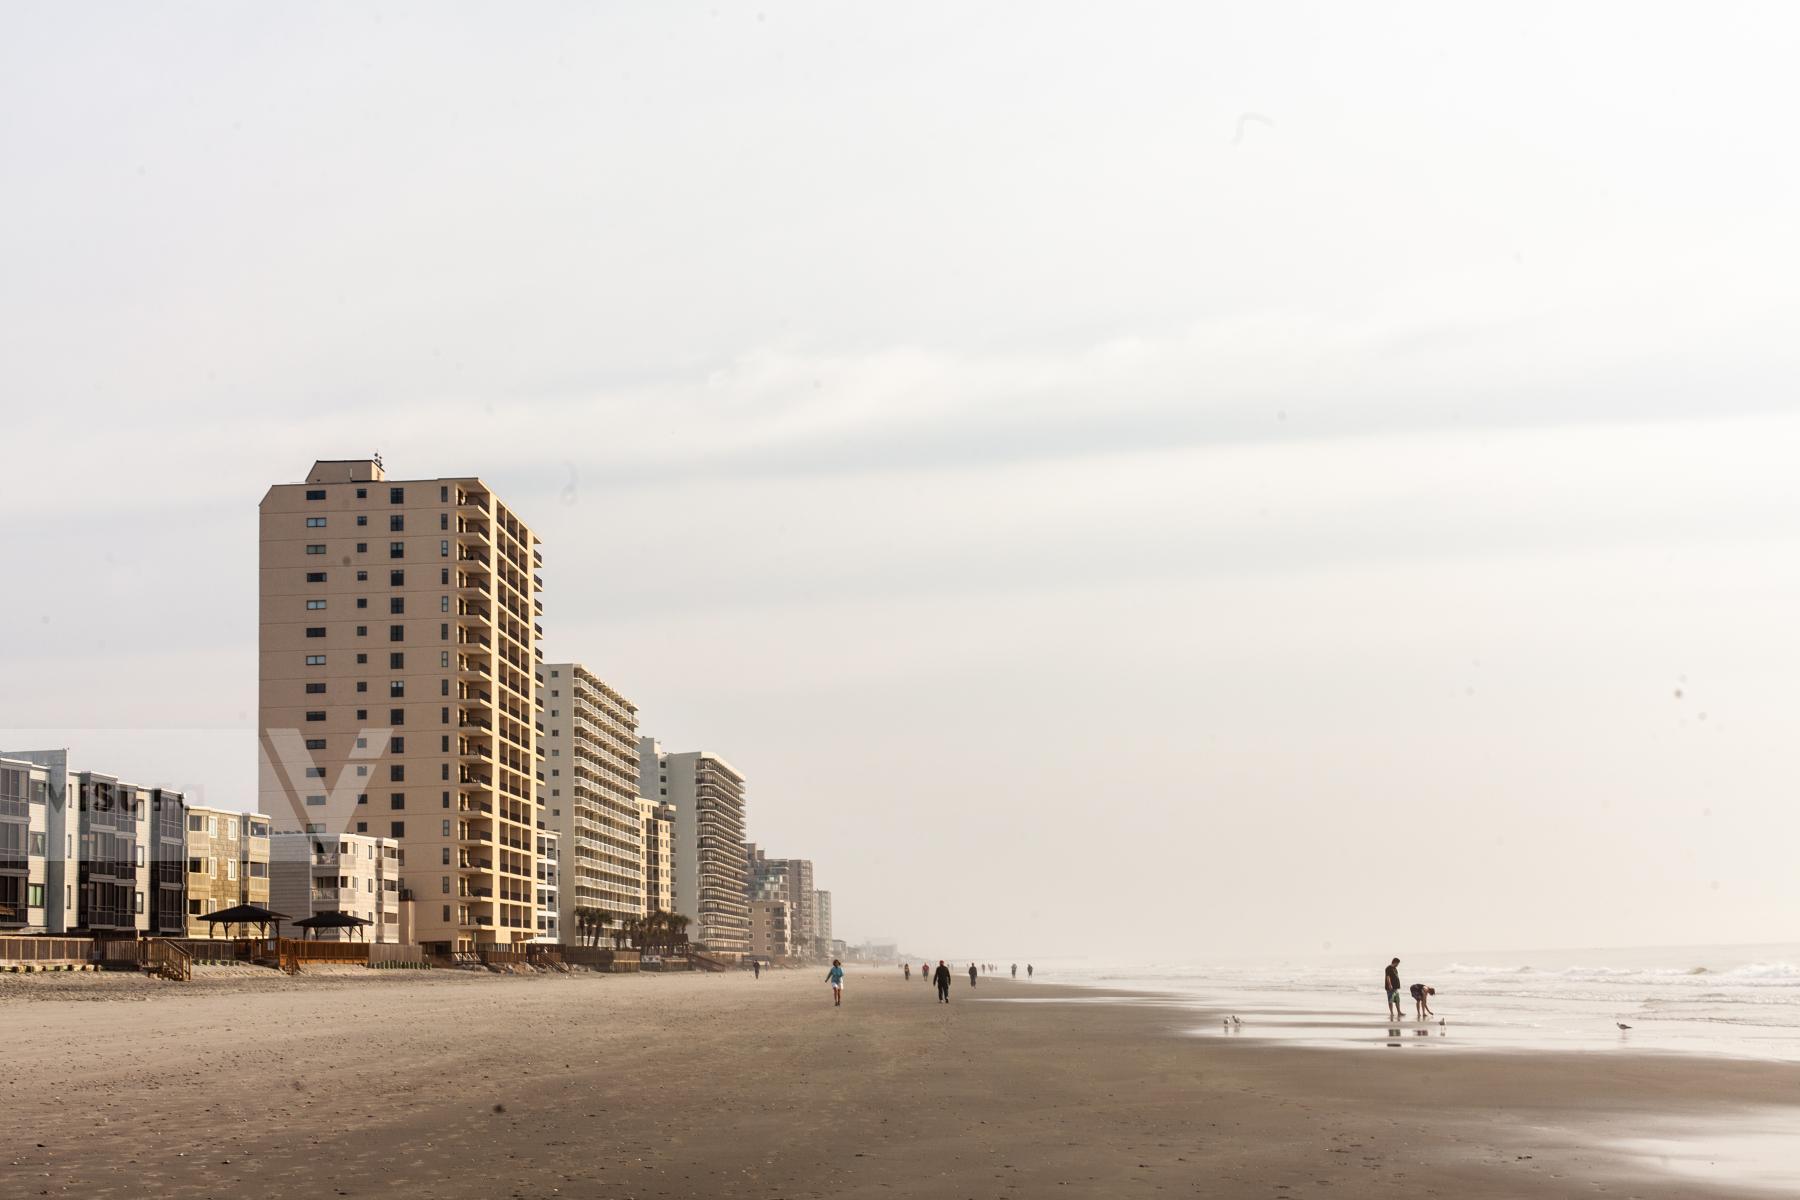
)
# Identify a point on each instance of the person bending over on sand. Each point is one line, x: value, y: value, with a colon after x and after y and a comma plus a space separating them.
x: 941, y: 977
x: 971, y: 974
x: 1419, y: 993
x: 835, y: 977
x: 1391, y: 982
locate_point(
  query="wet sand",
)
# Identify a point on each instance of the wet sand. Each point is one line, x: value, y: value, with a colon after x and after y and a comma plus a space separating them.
x: 442, y: 1084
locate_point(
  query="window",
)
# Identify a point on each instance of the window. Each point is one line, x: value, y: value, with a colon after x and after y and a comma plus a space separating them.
x: 396, y: 605
x: 315, y: 716
x: 362, y: 547
x: 361, y: 659
x: 362, y: 493
x: 315, y: 772
x: 396, y: 495
x: 396, y: 524
x: 362, y: 685
x: 443, y: 549
x: 444, y: 632
x: 137, y: 902
x: 315, y: 494
x: 399, y: 828
x: 397, y: 745
x: 446, y: 912
x: 362, y: 577
x: 362, y: 602
x: 231, y: 868
x: 444, y: 660
x: 362, y: 797
x: 362, y: 714
x: 195, y: 867
x: 443, y: 520
x: 315, y: 743
x: 397, y: 688
x: 315, y: 631
x: 397, y: 800
x: 315, y: 522
x: 396, y: 633
x: 316, y: 548
x: 316, y: 801
x: 444, y: 494
x: 362, y: 743
x: 362, y: 631
x: 446, y: 848
x: 397, y: 578
x: 396, y: 549
x: 445, y: 879
x: 362, y: 827
x: 40, y: 844
x: 315, y: 604
x: 444, y: 575
x: 397, y: 773
x: 397, y: 660
x: 396, y: 716
x: 443, y: 604
x: 315, y: 660
x: 315, y: 577
x: 361, y: 519
x: 362, y: 771
x: 315, y: 689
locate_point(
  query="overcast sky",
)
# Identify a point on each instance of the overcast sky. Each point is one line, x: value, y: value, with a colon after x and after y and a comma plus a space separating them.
x: 1174, y: 480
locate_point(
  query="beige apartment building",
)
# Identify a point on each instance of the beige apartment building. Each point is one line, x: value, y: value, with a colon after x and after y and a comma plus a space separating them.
x: 227, y: 863
x: 790, y: 880
x: 658, y: 820
x: 590, y: 792
x: 772, y: 930
x: 710, y: 857
x: 348, y: 872
x: 398, y: 673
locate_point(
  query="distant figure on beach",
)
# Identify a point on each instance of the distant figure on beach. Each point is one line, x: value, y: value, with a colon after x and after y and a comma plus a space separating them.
x: 1419, y: 992
x: 1015, y: 970
x: 941, y: 977
x: 756, y: 967
x: 835, y: 977
x: 906, y: 968
x: 925, y: 972
x: 1391, y: 981
x: 971, y: 974
x: 1028, y: 970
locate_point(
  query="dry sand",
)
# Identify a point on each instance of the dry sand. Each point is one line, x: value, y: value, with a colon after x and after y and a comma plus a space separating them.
x: 443, y: 1084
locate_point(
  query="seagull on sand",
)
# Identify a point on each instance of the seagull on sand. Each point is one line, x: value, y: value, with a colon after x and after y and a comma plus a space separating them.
x: 1621, y: 1025
x: 1235, y: 1021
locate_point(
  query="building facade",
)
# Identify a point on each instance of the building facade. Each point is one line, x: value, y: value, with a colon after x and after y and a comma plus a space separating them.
x: 658, y: 820
x: 112, y: 852
x: 25, y: 852
x: 711, y: 885
x: 227, y: 863
x: 353, y: 873
x: 789, y: 880
x: 822, y: 936
x: 549, y: 886
x: 590, y: 760
x: 398, y: 673
x: 772, y: 930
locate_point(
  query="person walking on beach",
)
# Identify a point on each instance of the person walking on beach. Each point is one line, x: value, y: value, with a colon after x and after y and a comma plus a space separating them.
x: 1015, y: 970
x: 835, y: 977
x: 1419, y: 993
x: 942, y: 978
x: 906, y: 968
x: 925, y: 972
x: 756, y: 967
x: 1391, y: 982
x: 1028, y: 970
x: 971, y: 974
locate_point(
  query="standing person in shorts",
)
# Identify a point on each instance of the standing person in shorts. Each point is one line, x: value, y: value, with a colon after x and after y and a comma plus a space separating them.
x: 835, y: 977
x: 1390, y: 981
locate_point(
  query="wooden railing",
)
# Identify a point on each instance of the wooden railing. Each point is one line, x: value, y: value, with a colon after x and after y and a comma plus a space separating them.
x: 166, y: 959
x: 46, y: 951
x: 387, y: 954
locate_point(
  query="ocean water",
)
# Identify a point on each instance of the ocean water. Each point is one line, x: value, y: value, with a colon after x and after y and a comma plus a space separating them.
x: 1741, y: 1001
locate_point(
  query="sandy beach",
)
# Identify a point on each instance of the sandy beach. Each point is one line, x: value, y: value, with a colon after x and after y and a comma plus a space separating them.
x: 442, y: 1084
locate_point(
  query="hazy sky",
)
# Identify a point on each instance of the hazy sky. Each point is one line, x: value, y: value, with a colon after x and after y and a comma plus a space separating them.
x: 1172, y: 480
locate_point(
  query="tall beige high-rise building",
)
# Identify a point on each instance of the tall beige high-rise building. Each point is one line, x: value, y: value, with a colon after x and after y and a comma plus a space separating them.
x: 710, y: 854
x: 398, y: 650
x: 590, y: 793
x: 658, y: 818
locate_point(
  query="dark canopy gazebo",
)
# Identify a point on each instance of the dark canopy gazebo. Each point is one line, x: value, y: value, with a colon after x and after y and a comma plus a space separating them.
x: 332, y: 920
x: 244, y: 914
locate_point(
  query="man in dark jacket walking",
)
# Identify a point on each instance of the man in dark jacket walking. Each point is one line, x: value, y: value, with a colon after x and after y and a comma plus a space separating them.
x: 941, y: 977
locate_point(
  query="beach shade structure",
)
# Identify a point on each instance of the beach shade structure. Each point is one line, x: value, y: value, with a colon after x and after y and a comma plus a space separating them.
x: 332, y: 919
x: 244, y: 914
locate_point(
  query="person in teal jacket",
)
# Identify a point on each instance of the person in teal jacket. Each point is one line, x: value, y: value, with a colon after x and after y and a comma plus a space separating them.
x: 835, y: 977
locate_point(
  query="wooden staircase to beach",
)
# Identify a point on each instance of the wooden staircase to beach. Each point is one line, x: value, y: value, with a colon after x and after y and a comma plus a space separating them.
x: 166, y: 960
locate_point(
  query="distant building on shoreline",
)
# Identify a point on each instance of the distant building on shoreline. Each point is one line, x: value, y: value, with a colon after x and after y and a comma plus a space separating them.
x: 711, y: 871
x: 96, y: 855
x: 822, y: 922
x: 227, y: 863
x: 398, y: 665
x: 771, y: 930
x: 355, y: 873
x: 590, y: 763
x: 658, y: 820
x: 789, y: 880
